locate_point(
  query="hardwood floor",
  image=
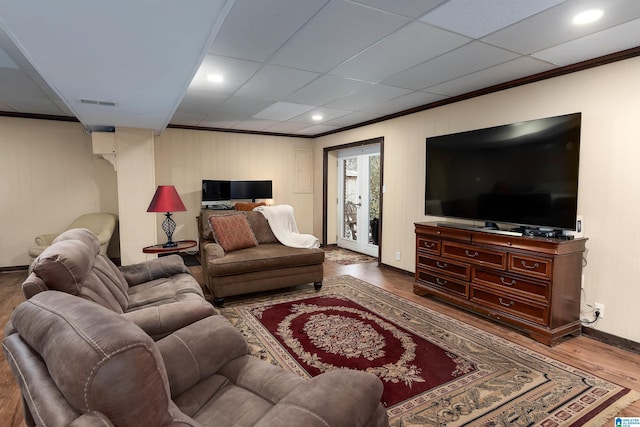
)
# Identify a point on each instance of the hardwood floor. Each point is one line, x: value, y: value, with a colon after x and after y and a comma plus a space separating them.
x: 605, y: 361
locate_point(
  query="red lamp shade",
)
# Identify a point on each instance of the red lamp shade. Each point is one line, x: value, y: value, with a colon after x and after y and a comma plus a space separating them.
x: 166, y: 199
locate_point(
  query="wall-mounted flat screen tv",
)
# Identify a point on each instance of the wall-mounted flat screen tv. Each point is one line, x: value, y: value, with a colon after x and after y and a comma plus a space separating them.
x: 523, y: 173
x: 251, y: 190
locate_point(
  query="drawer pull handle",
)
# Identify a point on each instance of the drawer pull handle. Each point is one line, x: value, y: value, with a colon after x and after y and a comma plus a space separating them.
x: 530, y: 267
x: 429, y: 245
x: 440, y: 281
x: 441, y: 264
x: 504, y: 282
x: 509, y: 304
x: 470, y: 254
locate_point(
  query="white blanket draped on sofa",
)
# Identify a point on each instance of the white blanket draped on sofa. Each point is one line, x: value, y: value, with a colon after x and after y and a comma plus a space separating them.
x: 283, y: 224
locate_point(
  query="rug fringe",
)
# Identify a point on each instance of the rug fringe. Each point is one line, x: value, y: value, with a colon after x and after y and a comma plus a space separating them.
x: 613, y: 410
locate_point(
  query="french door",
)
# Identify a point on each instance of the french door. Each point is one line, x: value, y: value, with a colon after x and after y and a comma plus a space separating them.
x: 359, y: 199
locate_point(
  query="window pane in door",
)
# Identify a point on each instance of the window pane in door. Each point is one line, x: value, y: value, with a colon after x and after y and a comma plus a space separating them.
x: 350, y: 197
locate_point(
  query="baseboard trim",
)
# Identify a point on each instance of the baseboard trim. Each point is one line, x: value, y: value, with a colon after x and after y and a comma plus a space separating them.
x: 612, y: 340
x: 13, y: 268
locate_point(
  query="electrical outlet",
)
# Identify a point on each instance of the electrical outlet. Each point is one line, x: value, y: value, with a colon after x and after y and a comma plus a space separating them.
x: 600, y: 307
x: 397, y: 255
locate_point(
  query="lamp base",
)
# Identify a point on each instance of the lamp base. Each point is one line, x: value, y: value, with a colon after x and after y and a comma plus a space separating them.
x: 170, y: 245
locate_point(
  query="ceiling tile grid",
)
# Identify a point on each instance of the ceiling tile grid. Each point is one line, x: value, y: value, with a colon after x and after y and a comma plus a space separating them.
x: 269, y: 66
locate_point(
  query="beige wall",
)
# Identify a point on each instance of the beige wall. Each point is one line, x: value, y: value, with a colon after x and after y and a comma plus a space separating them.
x: 185, y: 157
x: 48, y: 177
x: 609, y: 189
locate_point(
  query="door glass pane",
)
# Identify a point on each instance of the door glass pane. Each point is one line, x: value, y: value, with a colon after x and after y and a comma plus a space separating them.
x: 350, y: 197
x: 374, y: 198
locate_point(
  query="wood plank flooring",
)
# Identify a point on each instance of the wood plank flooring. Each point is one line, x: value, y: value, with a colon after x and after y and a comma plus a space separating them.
x: 605, y: 361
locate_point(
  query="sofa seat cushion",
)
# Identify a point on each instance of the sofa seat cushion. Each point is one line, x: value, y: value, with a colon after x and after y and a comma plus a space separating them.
x: 163, y: 290
x: 268, y: 256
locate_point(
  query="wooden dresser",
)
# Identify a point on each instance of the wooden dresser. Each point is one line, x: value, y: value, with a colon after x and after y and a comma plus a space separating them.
x: 530, y: 283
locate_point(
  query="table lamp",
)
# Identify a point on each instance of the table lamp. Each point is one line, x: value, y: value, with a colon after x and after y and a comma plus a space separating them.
x: 167, y: 200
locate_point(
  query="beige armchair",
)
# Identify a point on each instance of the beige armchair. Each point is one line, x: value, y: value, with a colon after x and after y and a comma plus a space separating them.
x: 102, y: 224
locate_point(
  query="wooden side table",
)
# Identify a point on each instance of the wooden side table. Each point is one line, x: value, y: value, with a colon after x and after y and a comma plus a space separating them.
x: 182, y: 246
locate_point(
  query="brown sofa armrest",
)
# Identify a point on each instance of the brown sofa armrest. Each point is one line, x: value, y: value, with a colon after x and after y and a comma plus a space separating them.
x: 340, y: 398
x: 165, y: 266
x: 212, y: 251
x: 199, y: 350
x: 158, y: 321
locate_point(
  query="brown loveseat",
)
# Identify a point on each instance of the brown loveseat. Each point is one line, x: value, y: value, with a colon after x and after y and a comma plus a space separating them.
x: 264, y: 266
x: 80, y: 364
x: 159, y: 295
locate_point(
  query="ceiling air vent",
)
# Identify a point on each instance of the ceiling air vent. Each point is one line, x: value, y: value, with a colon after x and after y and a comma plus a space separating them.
x: 95, y: 102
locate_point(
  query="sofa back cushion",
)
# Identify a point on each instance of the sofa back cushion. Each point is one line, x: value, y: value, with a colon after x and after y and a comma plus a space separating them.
x: 257, y: 221
x: 76, y: 267
x: 232, y: 232
x: 98, y: 360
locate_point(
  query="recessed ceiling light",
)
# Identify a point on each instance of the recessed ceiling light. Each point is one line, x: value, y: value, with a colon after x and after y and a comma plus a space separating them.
x: 588, y: 16
x: 316, y: 117
x: 215, y: 78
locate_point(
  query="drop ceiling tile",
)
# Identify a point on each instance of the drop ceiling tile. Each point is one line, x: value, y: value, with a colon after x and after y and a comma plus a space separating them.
x: 326, y: 89
x: 608, y: 41
x: 465, y: 60
x: 409, y: 8
x: 254, y: 30
x: 317, y: 129
x: 287, y: 127
x: 368, y: 97
x: 235, y: 72
x: 187, y: 119
x: 405, y: 102
x: 403, y: 49
x: 6, y: 61
x: 520, y: 67
x: 283, y: 111
x: 326, y: 113
x: 476, y: 19
x: 246, y: 107
x: 274, y: 83
x: 553, y: 26
x: 194, y: 102
x: 352, y: 119
x: 335, y: 34
x: 255, y: 124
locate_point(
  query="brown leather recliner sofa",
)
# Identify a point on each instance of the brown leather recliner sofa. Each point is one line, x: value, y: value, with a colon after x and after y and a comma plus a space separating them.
x: 81, y: 364
x: 268, y: 265
x: 159, y: 295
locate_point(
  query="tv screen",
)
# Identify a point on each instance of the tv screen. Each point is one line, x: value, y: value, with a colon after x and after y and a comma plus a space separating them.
x: 215, y: 192
x: 523, y: 173
x: 251, y: 190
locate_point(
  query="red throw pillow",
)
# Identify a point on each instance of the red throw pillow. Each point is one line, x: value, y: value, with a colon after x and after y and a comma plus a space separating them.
x: 232, y: 232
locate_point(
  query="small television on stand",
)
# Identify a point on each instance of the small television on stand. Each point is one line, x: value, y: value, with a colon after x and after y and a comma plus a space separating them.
x: 216, y: 194
x: 523, y: 174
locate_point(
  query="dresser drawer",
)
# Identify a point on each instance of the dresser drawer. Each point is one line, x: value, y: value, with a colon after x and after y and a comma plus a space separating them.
x: 443, y: 283
x: 508, y: 283
x: 531, y: 265
x: 520, y: 307
x: 450, y: 268
x: 426, y: 244
x: 474, y: 254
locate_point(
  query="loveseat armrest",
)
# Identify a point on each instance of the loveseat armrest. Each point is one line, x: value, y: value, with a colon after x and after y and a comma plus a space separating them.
x: 45, y: 239
x: 199, y: 350
x: 158, y: 268
x: 340, y: 398
x: 212, y: 250
x: 158, y: 321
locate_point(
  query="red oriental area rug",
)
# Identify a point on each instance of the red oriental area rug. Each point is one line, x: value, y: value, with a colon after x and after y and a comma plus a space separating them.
x: 436, y: 370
